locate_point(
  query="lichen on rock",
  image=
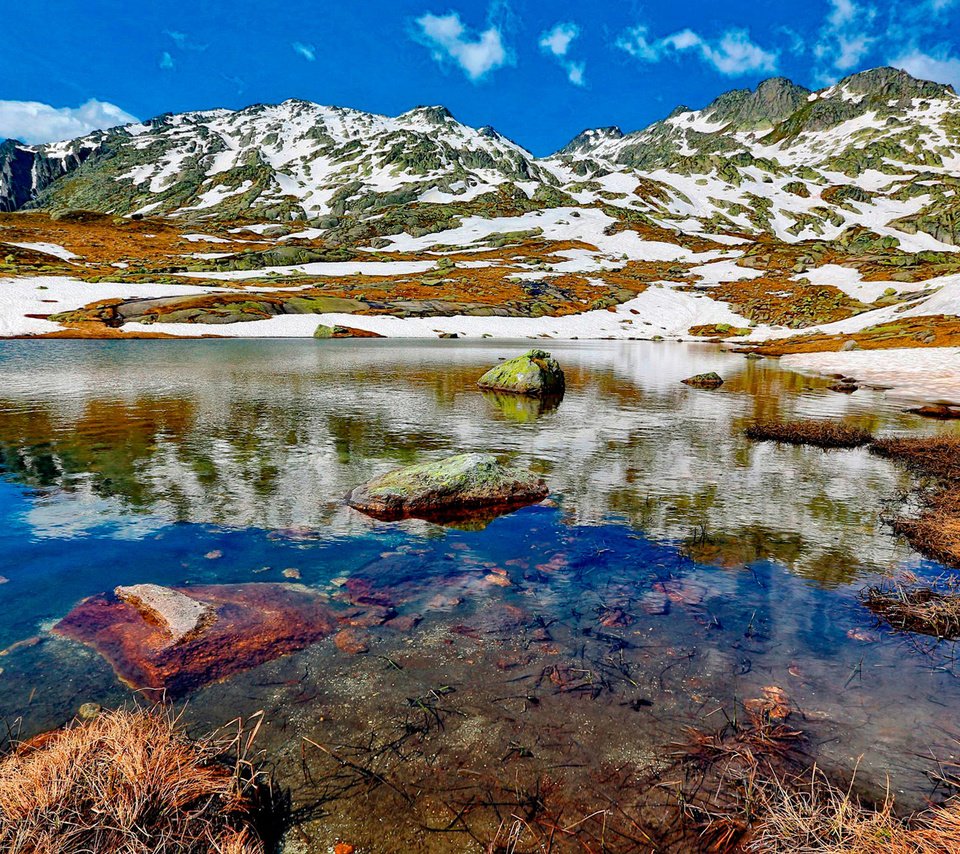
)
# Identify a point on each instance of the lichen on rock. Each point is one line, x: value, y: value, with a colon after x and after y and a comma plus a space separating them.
x: 448, y: 489
x: 536, y: 372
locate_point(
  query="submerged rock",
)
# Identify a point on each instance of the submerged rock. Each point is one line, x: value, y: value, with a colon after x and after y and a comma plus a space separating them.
x: 536, y: 372
x: 252, y: 624
x: 448, y: 489
x: 710, y: 380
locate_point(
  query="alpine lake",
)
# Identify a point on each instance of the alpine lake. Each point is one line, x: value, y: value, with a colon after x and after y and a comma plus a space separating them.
x: 538, y: 665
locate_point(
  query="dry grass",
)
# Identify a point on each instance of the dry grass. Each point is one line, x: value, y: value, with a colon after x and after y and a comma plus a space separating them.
x: 821, y: 818
x: 935, y: 531
x: 928, y: 609
x: 129, y: 782
x: 823, y: 434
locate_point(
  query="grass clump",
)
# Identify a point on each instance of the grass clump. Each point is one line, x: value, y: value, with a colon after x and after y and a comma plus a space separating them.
x: 927, y: 609
x: 935, y: 530
x: 822, y: 434
x: 130, y: 782
x: 822, y: 817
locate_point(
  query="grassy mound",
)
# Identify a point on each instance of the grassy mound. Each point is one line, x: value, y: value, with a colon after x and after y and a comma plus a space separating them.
x: 130, y: 782
x: 823, y: 434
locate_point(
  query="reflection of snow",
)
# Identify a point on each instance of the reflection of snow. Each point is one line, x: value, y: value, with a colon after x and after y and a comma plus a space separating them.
x: 279, y: 431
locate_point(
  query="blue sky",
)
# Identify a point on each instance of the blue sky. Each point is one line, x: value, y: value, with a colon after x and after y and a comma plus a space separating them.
x: 539, y: 72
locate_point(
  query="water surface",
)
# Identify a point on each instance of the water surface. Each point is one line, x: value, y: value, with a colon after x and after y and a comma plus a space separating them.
x: 676, y: 570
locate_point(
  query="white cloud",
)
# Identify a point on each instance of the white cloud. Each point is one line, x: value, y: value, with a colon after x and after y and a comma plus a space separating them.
x: 576, y: 72
x: 844, y: 39
x: 557, y: 41
x: 166, y: 62
x: 307, y: 51
x: 477, y: 54
x: 33, y: 122
x: 940, y: 66
x: 733, y: 54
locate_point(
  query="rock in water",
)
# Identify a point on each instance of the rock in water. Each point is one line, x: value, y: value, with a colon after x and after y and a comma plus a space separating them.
x: 255, y: 623
x: 180, y: 616
x: 711, y: 380
x: 337, y: 331
x: 448, y: 489
x: 536, y: 372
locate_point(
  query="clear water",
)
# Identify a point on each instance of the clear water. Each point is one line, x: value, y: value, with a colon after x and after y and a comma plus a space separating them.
x: 677, y: 569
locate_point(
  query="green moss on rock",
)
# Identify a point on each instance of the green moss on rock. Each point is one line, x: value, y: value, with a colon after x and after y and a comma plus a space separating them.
x: 536, y: 372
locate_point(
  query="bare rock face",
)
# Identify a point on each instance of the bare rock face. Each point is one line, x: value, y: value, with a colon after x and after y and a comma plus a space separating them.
x: 448, y: 489
x: 180, y: 616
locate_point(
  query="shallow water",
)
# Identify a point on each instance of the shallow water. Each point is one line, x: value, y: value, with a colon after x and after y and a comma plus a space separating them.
x: 676, y: 571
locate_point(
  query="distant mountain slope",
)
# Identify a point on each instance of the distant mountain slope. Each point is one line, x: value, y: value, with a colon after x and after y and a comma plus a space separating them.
x: 879, y: 150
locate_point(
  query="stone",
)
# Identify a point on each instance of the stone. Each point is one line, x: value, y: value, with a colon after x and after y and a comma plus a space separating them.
x: 179, y: 616
x: 255, y: 623
x: 448, y: 489
x: 337, y: 331
x: 710, y: 380
x: 351, y: 642
x: 88, y: 711
x: 849, y: 345
x: 941, y: 411
x: 536, y: 372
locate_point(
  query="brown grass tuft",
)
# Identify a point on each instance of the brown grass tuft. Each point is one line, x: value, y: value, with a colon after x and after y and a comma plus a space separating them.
x: 928, y: 609
x: 822, y: 434
x: 821, y: 818
x: 935, y: 531
x: 129, y: 782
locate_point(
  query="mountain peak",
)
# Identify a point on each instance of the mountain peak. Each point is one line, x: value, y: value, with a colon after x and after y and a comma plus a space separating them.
x: 893, y: 83
x: 590, y: 138
x: 771, y: 102
x: 436, y: 114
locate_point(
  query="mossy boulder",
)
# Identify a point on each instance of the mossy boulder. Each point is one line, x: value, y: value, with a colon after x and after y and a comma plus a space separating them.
x: 709, y: 380
x: 448, y: 489
x: 536, y: 373
x: 337, y: 331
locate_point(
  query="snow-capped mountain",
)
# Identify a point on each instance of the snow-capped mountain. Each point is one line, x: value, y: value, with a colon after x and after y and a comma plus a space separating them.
x: 879, y: 149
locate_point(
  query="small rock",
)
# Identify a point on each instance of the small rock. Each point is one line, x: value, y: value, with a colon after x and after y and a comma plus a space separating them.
x: 941, y: 411
x: 214, y: 555
x: 88, y: 711
x: 847, y: 346
x: 449, y: 335
x: 351, y: 642
x: 844, y: 388
x: 709, y: 380
x: 291, y: 572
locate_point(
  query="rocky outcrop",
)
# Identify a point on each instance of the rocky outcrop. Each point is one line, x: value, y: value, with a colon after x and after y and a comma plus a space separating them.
x: 709, y: 380
x: 337, y: 331
x: 536, y: 373
x: 448, y: 489
x: 222, y: 629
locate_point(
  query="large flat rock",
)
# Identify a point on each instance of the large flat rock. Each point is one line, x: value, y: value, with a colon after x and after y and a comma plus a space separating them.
x: 254, y: 623
x: 448, y: 489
